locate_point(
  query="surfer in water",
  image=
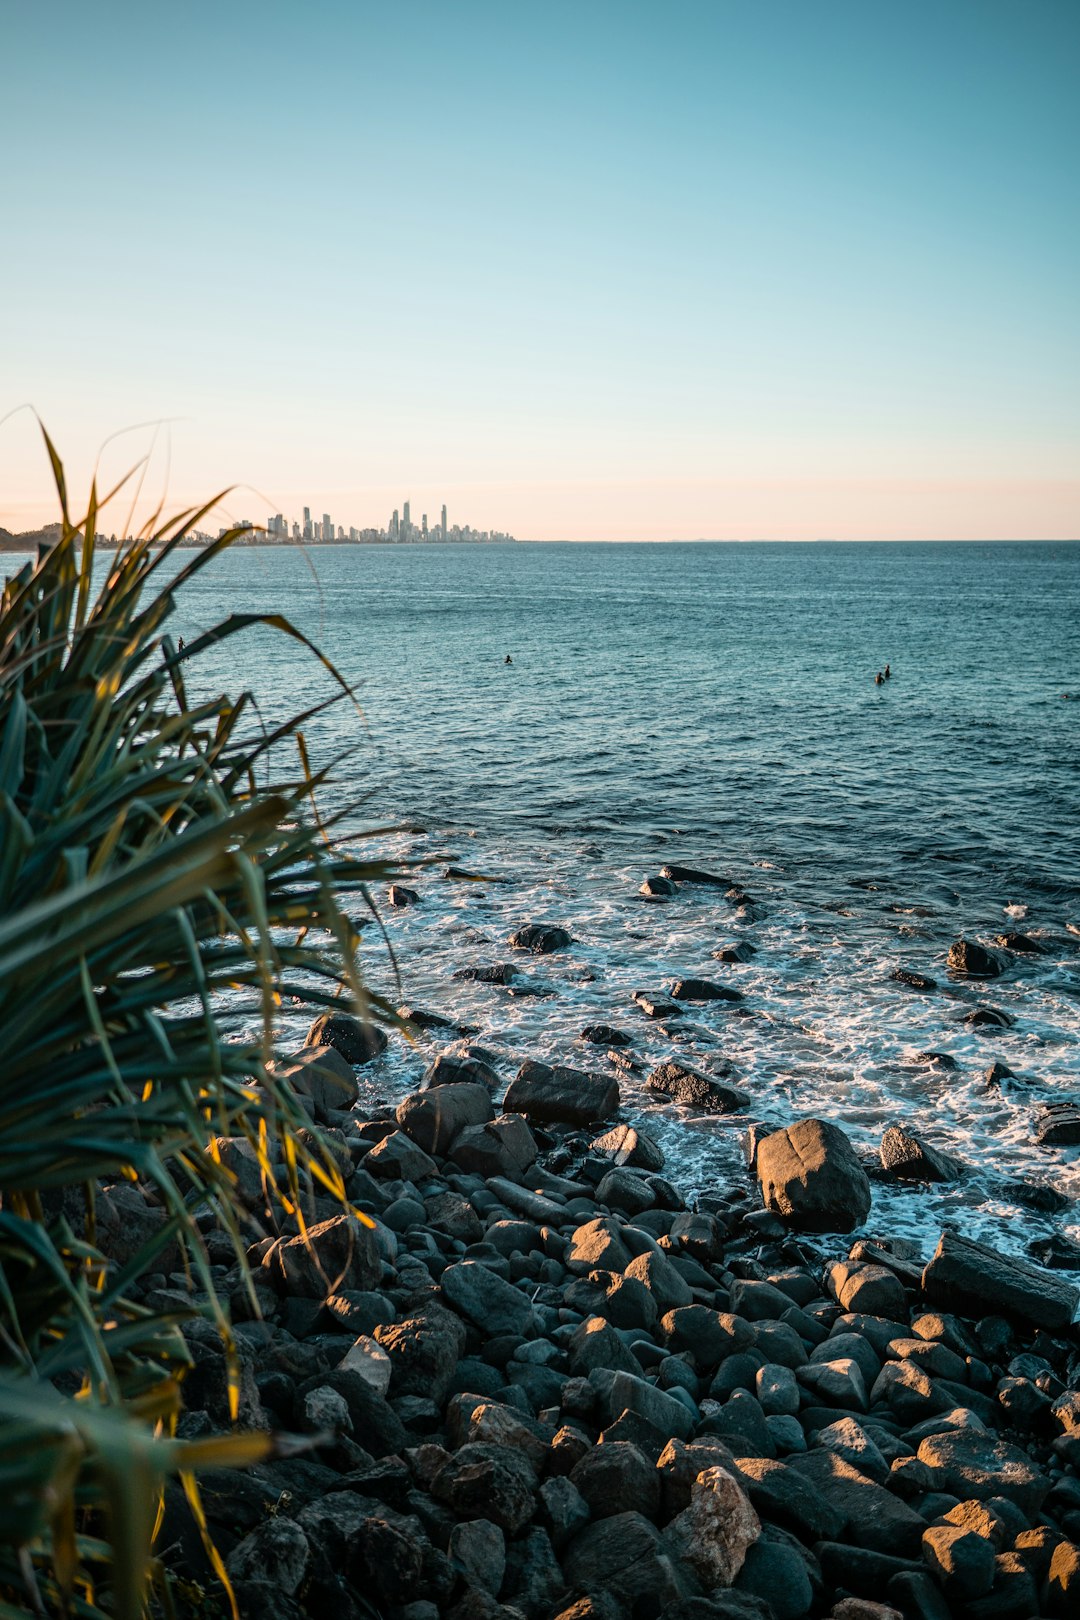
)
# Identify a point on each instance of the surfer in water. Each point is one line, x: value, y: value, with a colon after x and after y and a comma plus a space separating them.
x: 508, y: 659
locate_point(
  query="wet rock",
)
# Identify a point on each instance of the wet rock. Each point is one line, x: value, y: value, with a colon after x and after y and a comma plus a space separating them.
x: 433, y: 1118
x: 605, y: 1035
x: 630, y: 1147
x: 542, y: 939
x: 419, y: 1019
x: 656, y: 1006
x: 486, y: 1299
x: 913, y: 980
x: 973, y: 1464
x: 658, y: 888
x: 811, y: 1177
x: 740, y: 952
x: 503, y: 1147
x: 692, y: 1089
x: 937, y: 1060
x: 988, y: 1018
x: 714, y: 1533
x: 1022, y: 943
x: 972, y: 1277
x: 324, y: 1075
x: 702, y: 990
x: 401, y: 897
x: 486, y: 973
x: 459, y: 1068
x: 973, y: 961
x: 336, y: 1254
x: 692, y: 874
x: 488, y: 1482
x: 1058, y: 1125
x: 552, y: 1093
x: 906, y: 1156
x: 357, y: 1041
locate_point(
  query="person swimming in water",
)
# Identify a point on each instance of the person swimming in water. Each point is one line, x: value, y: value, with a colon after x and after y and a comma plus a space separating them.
x: 508, y: 659
x: 888, y: 672
x: 879, y: 679
x: 180, y: 644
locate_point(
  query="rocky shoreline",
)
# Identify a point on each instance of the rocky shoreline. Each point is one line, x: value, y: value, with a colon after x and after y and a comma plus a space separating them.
x: 539, y: 1386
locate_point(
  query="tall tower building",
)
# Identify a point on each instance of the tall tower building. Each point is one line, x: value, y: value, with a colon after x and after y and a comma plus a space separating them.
x: 327, y: 527
x: 406, y: 521
x: 394, y: 525
x: 423, y: 525
x: 444, y: 522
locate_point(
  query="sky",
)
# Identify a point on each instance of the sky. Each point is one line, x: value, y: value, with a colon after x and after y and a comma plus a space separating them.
x: 786, y: 269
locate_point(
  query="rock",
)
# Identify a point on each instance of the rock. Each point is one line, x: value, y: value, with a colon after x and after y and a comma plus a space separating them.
x: 741, y: 952
x: 400, y: 897
x: 555, y: 1094
x: 419, y: 1019
x: 541, y: 938
x: 478, y: 1548
x: 702, y: 990
x: 678, y: 1466
x: 962, y: 1561
x: 705, y: 1334
x: 988, y: 1018
x: 459, y: 1069
x: 423, y: 1351
x: 503, y: 1147
x: 655, y: 1006
x: 487, y: 1300
x: 862, y: 1609
x: 837, y: 1383
x: 713, y: 1534
x: 625, y: 1557
x: 914, y: 981
x: 597, y: 1246
x: 620, y: 1392
x: 776, y: 1572
x: 1063, y: 1581
x: 357, y: 1041
x: 873, y: 1517
x: 564, y: 1509
x: 323, y: 1409
x: 337, y: 1254
x: 605, y: 1035
x: 276, y: 1552
x: 628, y: 1146
x: 534, y: 1582
x: 906, y: 1156
x: 368, y: 1358
x: 385, y: 1560
x: 488, y: 1482
x: 486, y: 973
x: 974, y: 961
x: 1023, y: 943
x: 398, y: 1158
x: 694, y: 1090
x: 433, y: 1118
x: 1058, y: 1125
x: 324, y: 1075
x: 491, y: 1423
x: 850, y: 1441
x: 937, y: 1060
x: 617, y: 1478
x: 692, y: 874
x: 974, y: 1278
x: 873, y: 1290
x: 453, y: 1215
x: 973, y: 1464
x: 777, y: 1390
x: 782, y: 1496
x: 658, y: 888
x: 811, y: 1177
x: 625, y: 1190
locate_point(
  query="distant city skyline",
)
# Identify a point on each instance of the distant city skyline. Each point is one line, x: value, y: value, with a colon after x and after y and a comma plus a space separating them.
x: 616, y: 271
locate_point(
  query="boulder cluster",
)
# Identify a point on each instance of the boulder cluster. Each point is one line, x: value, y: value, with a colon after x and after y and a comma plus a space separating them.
x: 528, y: 1381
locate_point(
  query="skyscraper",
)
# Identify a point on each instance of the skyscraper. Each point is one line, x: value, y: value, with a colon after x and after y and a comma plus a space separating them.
x: 406, y: 521
x: 444, y: 522
x: 327, y: 527
x: 423, y: 525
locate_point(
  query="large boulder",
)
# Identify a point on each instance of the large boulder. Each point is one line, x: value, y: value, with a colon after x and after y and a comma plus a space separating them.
x: 424, y: 1351
x: 357, y: 1041
x: 541, y: 938
x: 459, y: 1068
x: 971, y: 960
x: 552, y: 1093
x: 972, y: 1463
x: 810, y: 1176
x: 486, y: 1299
x: 906, y: 1156
x: 624, y: 1556
x: 496, y: 1483
x: 974, y: 1278
x: 433, y: 1118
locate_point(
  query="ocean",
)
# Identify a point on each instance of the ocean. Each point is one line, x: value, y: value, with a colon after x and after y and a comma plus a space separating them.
x: 715, y: 704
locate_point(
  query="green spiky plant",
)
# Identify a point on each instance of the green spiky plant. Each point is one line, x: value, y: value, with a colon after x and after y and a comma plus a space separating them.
x: 165, y: 881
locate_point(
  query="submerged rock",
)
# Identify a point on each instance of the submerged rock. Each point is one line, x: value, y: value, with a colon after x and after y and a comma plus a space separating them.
x: 695, y: 1090
x: 692, y: 874
x: 905, y: 1156
x: 702, y: 990
x: 541, y: 938
x: 913, y: 980
x: 357, y: 1041
x: 658, y: 888
x: 973, y: 961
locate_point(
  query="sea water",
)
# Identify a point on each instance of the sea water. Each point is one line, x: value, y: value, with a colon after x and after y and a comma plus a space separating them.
x: 716, y: 705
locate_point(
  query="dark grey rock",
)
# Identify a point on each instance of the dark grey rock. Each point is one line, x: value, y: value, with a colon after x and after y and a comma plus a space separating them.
x: 692, y: 1089
x: 542, y: 939
x: 702, y: 990
x: 973, y: 961
x: 553, y: 1094
x: 433, y: 1118
x: 973, y: 1277
x: 493, y: 1305
x: 357, y: 1041
x: 907, y: 1156
x: 488, y: 1482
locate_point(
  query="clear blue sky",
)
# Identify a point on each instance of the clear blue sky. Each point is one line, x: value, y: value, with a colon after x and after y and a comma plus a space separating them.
x: 783, y: 268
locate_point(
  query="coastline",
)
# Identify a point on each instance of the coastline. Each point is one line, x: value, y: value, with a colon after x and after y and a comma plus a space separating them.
x: 538, y: 1385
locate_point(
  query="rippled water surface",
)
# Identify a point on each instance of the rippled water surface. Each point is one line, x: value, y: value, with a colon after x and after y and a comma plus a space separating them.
x: 715, y: 704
